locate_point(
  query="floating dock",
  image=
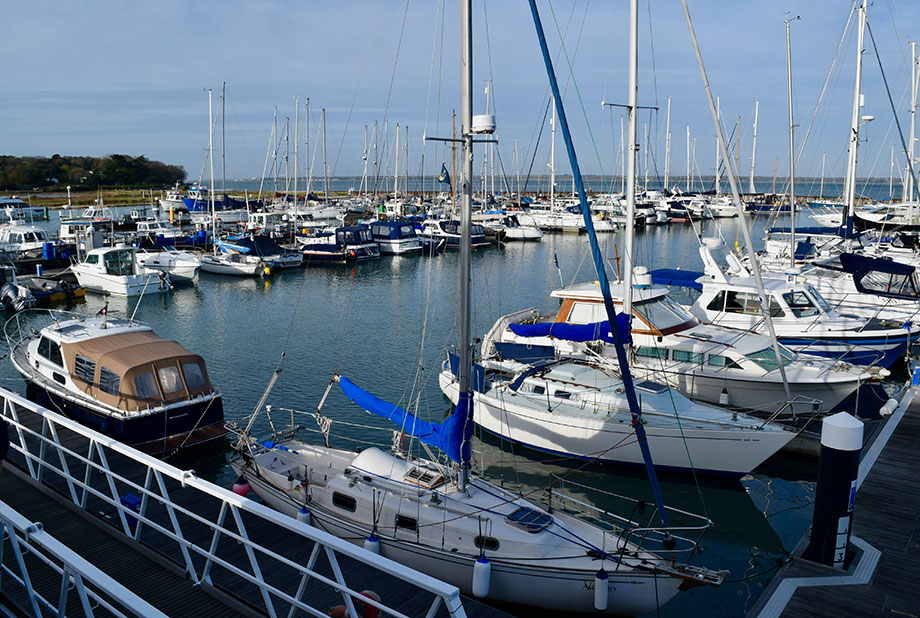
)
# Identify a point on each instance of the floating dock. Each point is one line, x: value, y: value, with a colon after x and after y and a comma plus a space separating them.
x: 883, y: 558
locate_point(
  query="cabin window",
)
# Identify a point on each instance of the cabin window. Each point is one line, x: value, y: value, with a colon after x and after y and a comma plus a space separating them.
x: 84, y: 368
x: 109, y: 381
x: 587, y: 313
x: 766, y: 358
x: 747, y: 303
x: 119, y: 263
x: 15, y: 238
x: 146, y: 386
x: 170, y: 381
x: 407, y: 523
x: 717, y: 360
x: 92, y: 259
x: 561, y: 394
x: 530, y: 520
x: 650, y: 352
x: 194, y: 378
x: 488, y: 543
x: 537, y: 389
x: 344, y: 501
x: 687, y: 357
x: 800, y: 304
x: 407, y: 230
x: 50, y: 350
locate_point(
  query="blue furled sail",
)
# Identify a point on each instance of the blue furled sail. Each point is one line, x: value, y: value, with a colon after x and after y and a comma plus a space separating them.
x: 596, y: 331
x: 447, y: 435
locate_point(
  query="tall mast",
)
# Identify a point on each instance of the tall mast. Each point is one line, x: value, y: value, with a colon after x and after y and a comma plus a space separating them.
x: 552, y: 163
x: 466, y: 175
x: 667, y: 147
x: 854, y: 121
x: 223, y: 148
x: 751, y: 188
x: 718, y: 151
x: 823, y: 160
x: 363, y: 190
x: 396, y: 167
x: 306, y: 143
x: 645, y: 158
x: 633, y: 102
x: 914, y: 68
x: 622, y: 155
x: 791, y: 144
x: 689, y: 170
x: 275, y: 150
x: 325, y: 171
x: 211, y: 166
x: 296, y: 144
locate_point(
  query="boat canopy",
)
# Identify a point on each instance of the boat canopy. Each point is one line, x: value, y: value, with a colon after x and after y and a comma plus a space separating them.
x: 447, y: 435
x: 392, y: 229
x: 135, y: 370
x: 881, y: 277
x: 596, y: 331
x: 677, y: 277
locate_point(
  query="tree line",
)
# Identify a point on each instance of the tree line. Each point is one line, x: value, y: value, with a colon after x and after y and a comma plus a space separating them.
x: 112, y: 171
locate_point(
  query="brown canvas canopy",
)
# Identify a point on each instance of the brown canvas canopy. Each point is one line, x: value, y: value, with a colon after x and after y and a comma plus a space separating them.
x: 135, y: 370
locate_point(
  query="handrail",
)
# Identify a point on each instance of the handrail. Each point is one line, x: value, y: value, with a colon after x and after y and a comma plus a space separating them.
x: 89, y: 583
x: 88, y: 476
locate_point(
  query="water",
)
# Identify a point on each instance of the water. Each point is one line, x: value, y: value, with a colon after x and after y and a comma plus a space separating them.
x: 387, y: 325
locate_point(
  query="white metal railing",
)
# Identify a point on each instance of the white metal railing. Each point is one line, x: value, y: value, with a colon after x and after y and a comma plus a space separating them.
x: 94, y: 588
x: 90, y: 482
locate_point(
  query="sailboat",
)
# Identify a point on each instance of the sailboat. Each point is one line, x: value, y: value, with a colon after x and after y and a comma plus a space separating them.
x: 442, y: 520
x: 238, y: 264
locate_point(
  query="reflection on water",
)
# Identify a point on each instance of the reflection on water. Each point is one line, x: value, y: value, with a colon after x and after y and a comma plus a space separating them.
x: 387, y: 324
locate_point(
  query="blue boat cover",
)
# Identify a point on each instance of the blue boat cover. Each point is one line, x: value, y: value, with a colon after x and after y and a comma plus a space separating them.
x: 882, y: 277
x: 675, y: 276
x: 596, y: 331
x: 447, y: 435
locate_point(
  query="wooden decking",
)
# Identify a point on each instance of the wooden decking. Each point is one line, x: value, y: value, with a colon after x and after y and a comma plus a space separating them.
x: 153, y: 567
x: 886, y: 517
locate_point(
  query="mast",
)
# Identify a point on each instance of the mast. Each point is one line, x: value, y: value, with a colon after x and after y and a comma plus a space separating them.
x: 306, y: 144
x: 667, y: 146
x: 791, y: 144
x: 751, y: 188
x: 736, y: 199
x: 396, y: 167
x: 363, y: 189
x: 325, y: 170
x: 599, y: 265
x: 633, y: 103
x: 910, y: 189
x: 718, y: 150
x: 823, y: 159
x: 645, y: 157
x: 854, y: 122
x: 275, y: 151
x: 465, y: 402
x: 223, y: 148
x: 552, y: 163
x: 211, y: 165
x: 296, y: 144
x: 689, y: 171
x: 622, y: 155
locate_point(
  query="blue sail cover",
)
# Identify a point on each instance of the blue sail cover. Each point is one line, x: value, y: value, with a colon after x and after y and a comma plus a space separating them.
x: 596, y: 331
x: 447, y: 435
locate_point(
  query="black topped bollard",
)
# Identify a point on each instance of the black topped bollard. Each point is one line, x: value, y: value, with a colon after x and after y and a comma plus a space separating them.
x: 841, y: 444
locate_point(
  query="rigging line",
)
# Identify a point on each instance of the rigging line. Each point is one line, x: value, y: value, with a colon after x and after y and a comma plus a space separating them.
x: 910, y: 164
x: 827, y: 77
x: 574, y: 82
x: 354, y: 97
x: 439, y: 17
x: 402, y: 30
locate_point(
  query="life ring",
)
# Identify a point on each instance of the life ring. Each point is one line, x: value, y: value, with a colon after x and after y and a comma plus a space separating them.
x: 364, y: 610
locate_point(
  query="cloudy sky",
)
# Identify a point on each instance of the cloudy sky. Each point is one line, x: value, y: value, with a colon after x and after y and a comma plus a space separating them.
x: 103, y: 76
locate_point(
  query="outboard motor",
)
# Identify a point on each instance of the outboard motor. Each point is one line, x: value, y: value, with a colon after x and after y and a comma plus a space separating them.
x: 16, y: 297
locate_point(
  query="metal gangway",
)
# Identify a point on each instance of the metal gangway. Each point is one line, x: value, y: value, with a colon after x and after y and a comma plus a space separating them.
x: 226, y: 544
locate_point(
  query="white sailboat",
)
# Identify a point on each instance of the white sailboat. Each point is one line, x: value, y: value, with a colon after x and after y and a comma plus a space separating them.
x: 439, y: 519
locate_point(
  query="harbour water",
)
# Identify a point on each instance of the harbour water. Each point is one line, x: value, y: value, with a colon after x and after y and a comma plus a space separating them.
x: 387, y: 324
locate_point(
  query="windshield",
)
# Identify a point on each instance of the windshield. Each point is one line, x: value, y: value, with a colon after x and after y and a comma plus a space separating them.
x: 766, y: 358
x: 819, y: 300
x: 663, y: 313
x: 801, y: 304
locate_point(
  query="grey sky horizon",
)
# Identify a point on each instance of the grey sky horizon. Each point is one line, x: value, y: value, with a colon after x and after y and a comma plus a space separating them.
x: 96, y: 77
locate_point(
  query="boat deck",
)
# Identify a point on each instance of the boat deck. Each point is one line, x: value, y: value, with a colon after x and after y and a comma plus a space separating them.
x: 97, y: 535
x: 883, y: 561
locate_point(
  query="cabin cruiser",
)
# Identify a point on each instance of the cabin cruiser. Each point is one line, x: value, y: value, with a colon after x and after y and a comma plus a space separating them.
x: 155, y: 229
x: 395, y: 237
x: 449, y: 230
x: 705, y: 362
x: 510, y: 228
x: 263, y: 247
x: 180, y: 266
x: 345, y: 244
x: 18, y: 210
x: 24, y: 240
x: 118, y: 378
x: 802, y: 318
x: 117, y: 271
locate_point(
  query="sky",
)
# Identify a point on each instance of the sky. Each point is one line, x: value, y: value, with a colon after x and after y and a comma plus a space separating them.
x: 94, y: 77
